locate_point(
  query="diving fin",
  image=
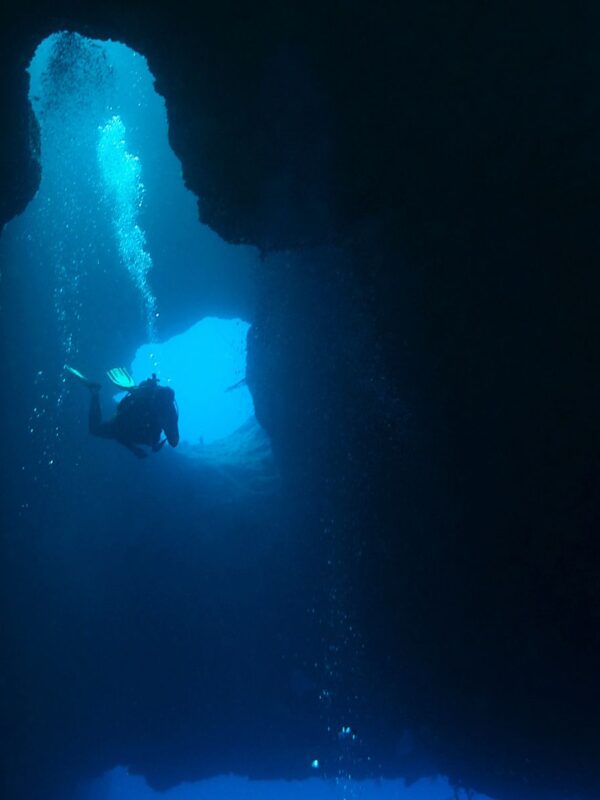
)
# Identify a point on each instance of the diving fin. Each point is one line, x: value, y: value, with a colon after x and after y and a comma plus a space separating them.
x: 80, y: 377
x: 121, y: 379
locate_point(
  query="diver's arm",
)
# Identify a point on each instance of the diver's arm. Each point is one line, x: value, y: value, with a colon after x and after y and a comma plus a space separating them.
x: 173, y: 438
x: 170, y: 427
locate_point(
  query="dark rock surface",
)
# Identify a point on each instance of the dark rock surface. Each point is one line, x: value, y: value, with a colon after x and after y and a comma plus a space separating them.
x: 430, y: 171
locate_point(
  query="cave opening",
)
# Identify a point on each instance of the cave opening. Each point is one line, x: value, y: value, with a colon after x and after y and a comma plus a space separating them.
x: 135, y: 279
x: 214, y: 397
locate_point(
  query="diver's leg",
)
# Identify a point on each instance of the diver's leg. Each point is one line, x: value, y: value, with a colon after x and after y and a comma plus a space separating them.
x: 98, y: 428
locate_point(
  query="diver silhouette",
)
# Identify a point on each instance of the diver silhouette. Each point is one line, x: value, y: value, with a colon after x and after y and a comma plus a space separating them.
x: 141, y: 417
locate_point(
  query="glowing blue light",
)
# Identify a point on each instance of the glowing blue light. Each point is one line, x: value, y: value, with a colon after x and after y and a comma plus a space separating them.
x: 119, y: 785
x: 201, y: 365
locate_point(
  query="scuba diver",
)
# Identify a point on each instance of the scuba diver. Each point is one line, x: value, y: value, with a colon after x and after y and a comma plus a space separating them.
x: 142, y: 415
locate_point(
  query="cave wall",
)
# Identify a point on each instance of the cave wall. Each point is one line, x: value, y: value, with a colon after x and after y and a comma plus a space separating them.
x: 428, y: 172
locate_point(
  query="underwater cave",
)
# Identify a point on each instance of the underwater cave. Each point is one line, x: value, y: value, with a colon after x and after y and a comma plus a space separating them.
x: 108, y: 246
x: 110, y: 242
x: 366, y: 566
